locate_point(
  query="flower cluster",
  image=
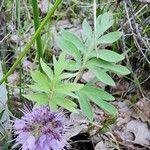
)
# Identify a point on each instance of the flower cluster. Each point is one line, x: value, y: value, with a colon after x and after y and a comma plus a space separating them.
x: 41, y: 129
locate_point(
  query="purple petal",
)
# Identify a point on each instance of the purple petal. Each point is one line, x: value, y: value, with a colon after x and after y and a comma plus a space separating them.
x: 22, y: 138
x: 19, y: 124
x: 31, y: 143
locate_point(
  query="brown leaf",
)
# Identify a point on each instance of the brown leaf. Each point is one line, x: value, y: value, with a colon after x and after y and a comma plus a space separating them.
x: 44, y: 6
x: 144, y: 109
x: 141, y: 132
x: 101, y: 146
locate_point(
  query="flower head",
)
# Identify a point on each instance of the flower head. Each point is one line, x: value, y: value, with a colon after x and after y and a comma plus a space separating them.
x: 41, y: 129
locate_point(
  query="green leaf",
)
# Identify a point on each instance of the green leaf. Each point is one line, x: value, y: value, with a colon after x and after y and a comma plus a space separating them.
x: 47, y: 70
x: 91, y: 91
x: 90, y: 44
x: 105, y: 106
x: 99, y: 96
x: 40, y: 78
x: 109, y: 38
x: 68, y: 75
x: 69, y: 48
x: 1, y: 114
x: 87, y: 29
x: 85, y: 106
x: 66, y: 103
x: 71, y: 94
x: 74, y: 39
x: 119, y: 69
x: 60, y: 65
x: 103, y: 22
x: 102, y: 75
x: 55, y: 63
x: 40, y: 88
x: 53, y: 106
x: 73, y: 65
x: 65, y: 93
x: 108, y: 55
x: 68, y: 87
x: 40, y: 98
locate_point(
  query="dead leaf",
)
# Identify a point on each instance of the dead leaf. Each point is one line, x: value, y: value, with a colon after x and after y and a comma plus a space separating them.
x: 77, y: 124
x: 101, y: 146
x: 124, y: 113
x: 27, y: 65
x: 44, y: 5
x: 121, y: 87
x: 78, y: 117
x: 141, y: 132
x: 14, y: 78
x: 14, y: 37
x: 144, y: 109
x: 74, y: 130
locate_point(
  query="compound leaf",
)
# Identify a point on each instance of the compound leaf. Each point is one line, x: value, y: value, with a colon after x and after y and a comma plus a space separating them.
x: 122, y: 70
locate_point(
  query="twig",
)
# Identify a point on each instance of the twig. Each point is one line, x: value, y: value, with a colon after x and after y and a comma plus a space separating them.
x: 145, y: 80
x: 5, y: 37
x: 2, y: 3
x: 144, y: 1
x: 114, y: 140
x: 134, y: 15
x: 137, y: 45
x: 132, y: 30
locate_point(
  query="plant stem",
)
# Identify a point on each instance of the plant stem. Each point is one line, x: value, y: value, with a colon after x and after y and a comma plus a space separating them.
x: 18, y: 45
x: 32, y: 40
x: 78, y: 75
x: 18, y: 12
x: 81, y: 70
x: 36, y: 26
x: 94, y: 20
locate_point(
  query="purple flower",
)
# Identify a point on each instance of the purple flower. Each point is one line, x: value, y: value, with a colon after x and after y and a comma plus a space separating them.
x: 41, y: 129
